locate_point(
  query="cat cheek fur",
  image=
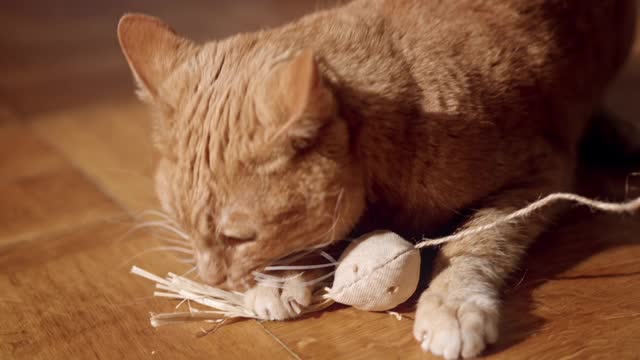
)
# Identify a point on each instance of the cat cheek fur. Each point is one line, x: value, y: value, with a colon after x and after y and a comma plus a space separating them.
x: 323, y: 208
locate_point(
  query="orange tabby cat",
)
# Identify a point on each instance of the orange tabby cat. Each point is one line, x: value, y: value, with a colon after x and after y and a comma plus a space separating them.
x: 404, y: 112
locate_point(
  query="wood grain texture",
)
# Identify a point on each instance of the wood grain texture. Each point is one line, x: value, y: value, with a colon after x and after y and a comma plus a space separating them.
x: 23, y: 154
x: 116, y: 148
x: 76, y: 164
x: 41, y: 193
x: 70, y: 296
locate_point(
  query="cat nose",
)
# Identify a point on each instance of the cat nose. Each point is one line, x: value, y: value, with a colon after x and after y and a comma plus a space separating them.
x: 237, y: 227
x: 210, y: 269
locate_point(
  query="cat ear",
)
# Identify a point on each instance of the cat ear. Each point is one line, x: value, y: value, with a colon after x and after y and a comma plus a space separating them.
x: 152, y: 49
x: 304, y: 100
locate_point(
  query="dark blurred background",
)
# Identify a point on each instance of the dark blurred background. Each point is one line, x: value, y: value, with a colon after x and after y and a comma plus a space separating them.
x: 56, y: 54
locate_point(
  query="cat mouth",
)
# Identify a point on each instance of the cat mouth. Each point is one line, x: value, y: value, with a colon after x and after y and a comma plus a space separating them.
x: 228, y: 279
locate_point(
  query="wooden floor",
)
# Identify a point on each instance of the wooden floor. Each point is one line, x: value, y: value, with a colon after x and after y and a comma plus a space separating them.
x: 75, y: 165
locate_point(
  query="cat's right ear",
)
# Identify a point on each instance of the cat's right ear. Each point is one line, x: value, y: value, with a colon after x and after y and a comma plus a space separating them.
x: 153, y: 51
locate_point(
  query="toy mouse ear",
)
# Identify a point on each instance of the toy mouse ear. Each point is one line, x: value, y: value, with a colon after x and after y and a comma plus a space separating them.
x: 152, y: 49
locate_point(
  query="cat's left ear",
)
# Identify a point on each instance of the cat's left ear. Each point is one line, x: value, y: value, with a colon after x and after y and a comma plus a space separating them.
x: 153, y: 51
x: 302, y: 100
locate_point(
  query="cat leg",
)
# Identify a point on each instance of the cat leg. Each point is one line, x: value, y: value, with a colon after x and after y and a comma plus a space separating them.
x: 458, y: 314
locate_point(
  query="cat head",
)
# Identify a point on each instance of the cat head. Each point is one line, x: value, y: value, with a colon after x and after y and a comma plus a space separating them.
x: 255, y: 162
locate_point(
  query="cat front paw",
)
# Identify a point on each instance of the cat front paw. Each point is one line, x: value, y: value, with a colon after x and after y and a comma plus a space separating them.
x: 455, y: 328
x: 279, y: 303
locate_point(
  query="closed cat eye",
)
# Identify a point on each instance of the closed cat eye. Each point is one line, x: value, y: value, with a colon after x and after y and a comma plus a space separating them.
x: 238, y: 235
x: 236, y: 227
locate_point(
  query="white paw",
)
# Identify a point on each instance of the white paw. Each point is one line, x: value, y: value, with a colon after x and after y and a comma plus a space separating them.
x: 271, y: 303
x: 456, y: 328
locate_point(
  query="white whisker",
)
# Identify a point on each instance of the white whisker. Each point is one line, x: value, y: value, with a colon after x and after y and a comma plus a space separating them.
x: 186, y: 261
x: 189, y: 271
x: 162, y: 225
x: 336, y: 214
x: 159, y: 214
x: 298, y: 267
x: 321, y: 278
x: 276, y: 282
x: 174, y: 241
x: 330, y: 234
x: 266, y: 277
x: 173, y: 248
x: 326, y: 255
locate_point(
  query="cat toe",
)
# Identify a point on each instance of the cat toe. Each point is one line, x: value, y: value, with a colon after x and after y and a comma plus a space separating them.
x: 271, y: 303
x: 297, y: 294
x: 265, y: 303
